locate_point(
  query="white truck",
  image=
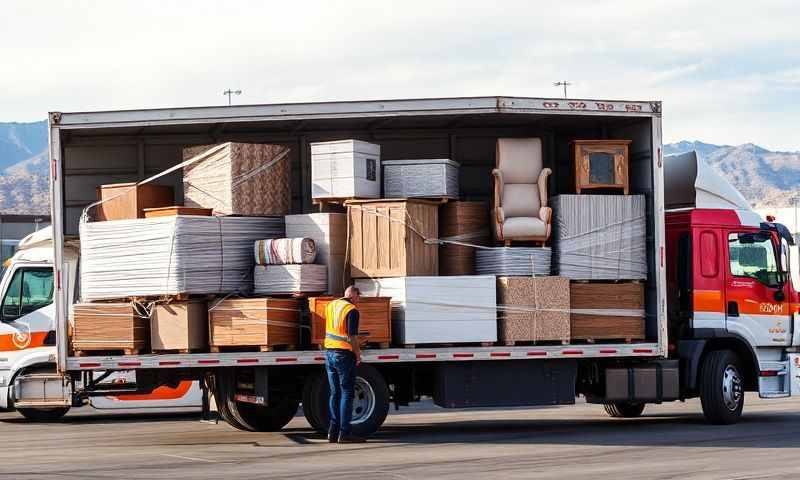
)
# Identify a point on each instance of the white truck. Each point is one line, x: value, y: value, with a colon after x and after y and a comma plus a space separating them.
x: 716, y: 325
x: 28, y: 339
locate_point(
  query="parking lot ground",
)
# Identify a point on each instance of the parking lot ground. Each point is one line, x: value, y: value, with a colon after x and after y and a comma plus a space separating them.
x: 669, y: 441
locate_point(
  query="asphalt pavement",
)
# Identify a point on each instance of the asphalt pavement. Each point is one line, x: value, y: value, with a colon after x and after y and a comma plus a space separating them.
x: 669, y: 441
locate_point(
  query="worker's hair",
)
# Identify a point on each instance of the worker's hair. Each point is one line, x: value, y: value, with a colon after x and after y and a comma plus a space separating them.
x: 352, y: 290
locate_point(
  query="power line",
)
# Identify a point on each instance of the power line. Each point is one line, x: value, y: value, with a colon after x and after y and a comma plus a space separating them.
x: 230, y: 92
x: 563, y: 83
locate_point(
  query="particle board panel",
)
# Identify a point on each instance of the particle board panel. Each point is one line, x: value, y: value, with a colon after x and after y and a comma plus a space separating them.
x: 533, y: 309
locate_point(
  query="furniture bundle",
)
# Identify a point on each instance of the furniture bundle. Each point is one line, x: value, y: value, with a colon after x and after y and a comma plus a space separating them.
x: 238, y: 178
x: 125, y: 201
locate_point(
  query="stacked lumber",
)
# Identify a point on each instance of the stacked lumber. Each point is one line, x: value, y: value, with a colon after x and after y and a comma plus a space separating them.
x: 238, y: 178
x: 329, y: 232
x: 438, y: 309
x: 110, y: 326
x: 388, y: 238
x: 606, y: 311
x: 179, y: 326
x: 171, y: 255
x: 465, y: 222
x: 375, y: 320
x: 290, y: 279
x: 600, y: 237
x: 254, y: 322
x: 533, y: 309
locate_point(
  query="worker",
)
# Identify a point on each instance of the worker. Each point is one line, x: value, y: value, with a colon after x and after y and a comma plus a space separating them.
x: 342, y: 354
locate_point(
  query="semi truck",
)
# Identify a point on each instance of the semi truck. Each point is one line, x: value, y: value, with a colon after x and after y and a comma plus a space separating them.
x: 721, y: 310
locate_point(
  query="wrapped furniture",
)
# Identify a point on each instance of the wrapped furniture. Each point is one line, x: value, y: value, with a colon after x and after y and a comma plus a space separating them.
x: 387, y: 238
x: 125, y: 201
x: 171, y: 255
x: 533, y: 309
x: 239, y: 178
x: 607, y: 311
x: 438, y: 309
x: 420, y: 178
x: 290, y: 279
x: 110, y: 326
x: 329, y: 232
x: 375, y: 320
x: 179, y: 326
x: 507, y: 261
x: 520, y: 191
x: 254, y: 322
x: 345, y: 169
x: 466, y: 222
x: 600, y: 237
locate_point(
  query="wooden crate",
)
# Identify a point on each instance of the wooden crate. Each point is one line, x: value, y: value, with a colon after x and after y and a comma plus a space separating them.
x: 125, y: 201
x: 250, y: 179
x: 466, y: 222
x: 533, y: 309
x: 375, y: 319
x: 596, y: 309
x: 387, y: 238
x: 254, y: 322
x: 176, y: 210
x: 181, y: 326
x: 109, y: 326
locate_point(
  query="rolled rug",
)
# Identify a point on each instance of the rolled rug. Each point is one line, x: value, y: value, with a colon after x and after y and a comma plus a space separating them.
x: 285, y: 251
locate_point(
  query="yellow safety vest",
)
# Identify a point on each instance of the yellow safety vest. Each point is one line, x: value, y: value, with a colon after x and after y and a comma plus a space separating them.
x: 336, y: 324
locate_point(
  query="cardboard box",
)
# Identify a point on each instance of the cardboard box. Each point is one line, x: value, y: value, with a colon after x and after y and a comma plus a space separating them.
x: 329, y: 232
x: 375, y: 319
x: 533, y: 309
x: 345, y: 169
x: 256, y: 322
x: 125, y: 201
x: 181, y: 326
x: 387, y: 238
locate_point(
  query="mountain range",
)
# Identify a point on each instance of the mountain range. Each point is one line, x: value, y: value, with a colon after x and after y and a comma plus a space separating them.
x: 765, y: 178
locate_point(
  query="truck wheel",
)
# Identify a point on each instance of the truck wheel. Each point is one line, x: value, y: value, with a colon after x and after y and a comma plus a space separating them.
x: 43, y: 414
x: 624, y: 409
x: 248, y: 416
x: 721, y: 387
x: 370, y: 401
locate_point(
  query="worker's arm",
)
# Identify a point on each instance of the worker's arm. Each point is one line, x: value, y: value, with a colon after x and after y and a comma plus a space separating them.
x: 352, y: 333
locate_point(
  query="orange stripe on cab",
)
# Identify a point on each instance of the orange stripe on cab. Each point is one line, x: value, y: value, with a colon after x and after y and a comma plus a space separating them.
x: 709, y: 301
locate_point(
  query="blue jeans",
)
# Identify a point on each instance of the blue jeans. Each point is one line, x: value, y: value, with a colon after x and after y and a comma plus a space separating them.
x: 341, y: 368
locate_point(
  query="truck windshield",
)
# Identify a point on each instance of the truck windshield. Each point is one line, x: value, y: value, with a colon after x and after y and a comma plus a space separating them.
x: 30, y: 289
x: 753, y: 255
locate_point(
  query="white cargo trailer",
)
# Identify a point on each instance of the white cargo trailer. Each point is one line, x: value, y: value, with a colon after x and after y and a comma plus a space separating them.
x: 262, y: 390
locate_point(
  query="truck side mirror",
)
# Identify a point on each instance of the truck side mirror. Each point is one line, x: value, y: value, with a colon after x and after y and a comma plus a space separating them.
x: 783, y: 258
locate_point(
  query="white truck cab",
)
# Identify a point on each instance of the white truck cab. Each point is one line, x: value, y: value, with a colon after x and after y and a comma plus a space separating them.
x: 27, y: 330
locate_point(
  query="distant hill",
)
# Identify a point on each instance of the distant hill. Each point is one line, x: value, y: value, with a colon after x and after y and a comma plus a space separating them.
x: 24, y: 172
x: 765, y: 178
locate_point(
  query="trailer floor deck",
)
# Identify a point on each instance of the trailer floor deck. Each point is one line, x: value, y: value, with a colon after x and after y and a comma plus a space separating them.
x: 424, y: 442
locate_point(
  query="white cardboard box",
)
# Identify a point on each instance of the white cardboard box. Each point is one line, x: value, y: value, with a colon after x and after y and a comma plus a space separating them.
x: 458, y: 309
x: 345, y: 169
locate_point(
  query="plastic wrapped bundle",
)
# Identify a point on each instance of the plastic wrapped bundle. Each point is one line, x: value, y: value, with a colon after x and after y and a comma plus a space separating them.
x: 171, y: 255
x: 600, y: 237
x: 290, y: 279
x: 284, y: 251
x: 513, y: 261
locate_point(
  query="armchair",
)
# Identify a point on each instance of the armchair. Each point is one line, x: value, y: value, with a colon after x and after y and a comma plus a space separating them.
x: 520, y: 192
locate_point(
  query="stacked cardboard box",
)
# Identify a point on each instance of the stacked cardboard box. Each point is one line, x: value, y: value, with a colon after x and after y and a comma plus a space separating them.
x: 110, y: 326
x: 254, y: 322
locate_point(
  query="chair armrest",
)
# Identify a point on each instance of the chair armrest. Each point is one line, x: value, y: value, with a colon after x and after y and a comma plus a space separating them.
x: 545, y: 214
x: 542, y: 183
x: 498, y: 186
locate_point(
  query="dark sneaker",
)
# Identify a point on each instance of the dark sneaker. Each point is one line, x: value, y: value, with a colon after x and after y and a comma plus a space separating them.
x: 333, y: 436
x: 351, y: 439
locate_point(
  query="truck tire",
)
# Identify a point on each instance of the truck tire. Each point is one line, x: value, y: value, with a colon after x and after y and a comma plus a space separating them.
x: 624, y: 409
x: 370, y: 404
x: 248, y: 416
x: 43, y: 415
x: 721, y: 387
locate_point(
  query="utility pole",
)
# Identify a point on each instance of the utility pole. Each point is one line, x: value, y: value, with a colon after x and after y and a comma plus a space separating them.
x: 563, y: 83
x: 230, y: 92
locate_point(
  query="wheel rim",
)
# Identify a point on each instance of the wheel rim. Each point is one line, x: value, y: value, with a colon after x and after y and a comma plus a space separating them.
x: 731, y: 388
x: 363, y: 401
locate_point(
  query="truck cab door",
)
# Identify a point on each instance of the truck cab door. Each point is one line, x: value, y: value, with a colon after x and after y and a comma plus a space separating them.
x: 757, y: 301
x: 26, y: 308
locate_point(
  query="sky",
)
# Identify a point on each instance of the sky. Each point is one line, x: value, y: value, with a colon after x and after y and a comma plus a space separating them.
x: 728, y: 72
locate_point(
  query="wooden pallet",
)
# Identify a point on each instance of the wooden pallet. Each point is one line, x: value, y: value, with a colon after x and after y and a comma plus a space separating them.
x: 109, y: 352
x: 448, y: 345
x: 366, y: 346
x: 517, y: 343
x: 252, y: 348
x: 181, y: 351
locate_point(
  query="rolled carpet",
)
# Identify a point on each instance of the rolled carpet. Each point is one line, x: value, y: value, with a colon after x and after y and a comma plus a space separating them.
x: 285, y: 251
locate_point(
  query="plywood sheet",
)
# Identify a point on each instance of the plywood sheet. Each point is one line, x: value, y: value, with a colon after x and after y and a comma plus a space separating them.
x: 607, y: 311
x: 109, y: 326
x: 254, y: 322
